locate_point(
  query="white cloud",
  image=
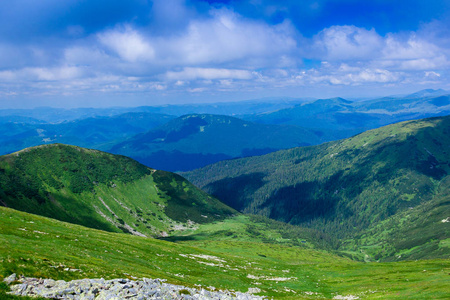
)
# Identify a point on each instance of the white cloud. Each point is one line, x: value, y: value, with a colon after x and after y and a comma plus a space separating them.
x: 42, y: 74
x: 345, y: 75
x: 432, y: 74
x: 406, y: 51
x: 347, y: 43
x: 196, y: 90
x: 128, y: 44
x: 208, y: 73
x: 411, y: 48
x: 226, y: 37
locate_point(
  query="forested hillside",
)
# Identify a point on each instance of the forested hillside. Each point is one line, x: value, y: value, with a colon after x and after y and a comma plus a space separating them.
x: 347, y: 187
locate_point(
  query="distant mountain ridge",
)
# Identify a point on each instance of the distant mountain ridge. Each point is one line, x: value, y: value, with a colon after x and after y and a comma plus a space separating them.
x: 94, y: 132
x: 271, y: 124
x: 58, y: 115
x: 352, y: 117
x: 193, y: 141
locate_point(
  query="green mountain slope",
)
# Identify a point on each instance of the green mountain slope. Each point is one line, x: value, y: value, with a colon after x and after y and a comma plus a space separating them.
x: 36, y: 246
x: 104, y: 191
x: 193, y: 141
x: 347, y: 188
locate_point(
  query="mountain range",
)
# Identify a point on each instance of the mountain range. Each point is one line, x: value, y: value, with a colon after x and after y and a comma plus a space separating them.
x: 18, y: 132
x: 380, y: 196
x: 195, y: 140
x: 264, y: 126
x: 347, y: 117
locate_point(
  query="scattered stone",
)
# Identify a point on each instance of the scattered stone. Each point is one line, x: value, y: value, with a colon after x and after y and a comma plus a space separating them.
x: 10, y: 278
x: 349, y: 297
x: 121, y: 288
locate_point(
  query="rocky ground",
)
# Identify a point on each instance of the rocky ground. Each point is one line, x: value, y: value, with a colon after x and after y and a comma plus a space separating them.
x: 115, y: 289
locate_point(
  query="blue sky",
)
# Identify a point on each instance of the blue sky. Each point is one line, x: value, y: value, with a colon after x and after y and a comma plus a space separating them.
x: 137, y: 52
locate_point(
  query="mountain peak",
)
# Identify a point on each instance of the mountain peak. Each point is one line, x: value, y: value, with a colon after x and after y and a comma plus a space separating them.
x: 428, y: 93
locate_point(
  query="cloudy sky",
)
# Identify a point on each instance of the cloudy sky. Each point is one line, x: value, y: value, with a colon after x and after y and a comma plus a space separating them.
x: 141, y: 52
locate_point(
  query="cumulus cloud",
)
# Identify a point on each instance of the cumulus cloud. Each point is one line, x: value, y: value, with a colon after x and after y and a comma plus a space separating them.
x: 347, y: 43
x: 346, y: 75
x: 223, y: 37
x: 358, y: 46
x: 128, y: 44
x: 208, y: 73
x: 228, y: 37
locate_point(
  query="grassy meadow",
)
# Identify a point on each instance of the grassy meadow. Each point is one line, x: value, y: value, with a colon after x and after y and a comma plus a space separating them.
x: 32, y: 245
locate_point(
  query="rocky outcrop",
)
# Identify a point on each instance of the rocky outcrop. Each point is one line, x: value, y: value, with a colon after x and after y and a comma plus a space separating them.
x: 115, y: 289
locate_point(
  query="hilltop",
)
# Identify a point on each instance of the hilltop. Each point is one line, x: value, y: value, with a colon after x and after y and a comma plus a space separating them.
x: 103, y: 191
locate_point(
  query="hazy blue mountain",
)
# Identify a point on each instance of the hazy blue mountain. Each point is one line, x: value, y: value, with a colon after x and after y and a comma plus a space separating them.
x: 19, y: 119
x: 58, y: 115
x: 428, y: 93
x: 237, y: 108
x: 351, y: 117
x: 193, y: 141
x: 90, y: 132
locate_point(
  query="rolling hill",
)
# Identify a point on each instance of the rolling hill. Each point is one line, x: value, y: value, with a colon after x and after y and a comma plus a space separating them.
x: 196, y: 140
x: 356, y: 187
x: 103, y: 191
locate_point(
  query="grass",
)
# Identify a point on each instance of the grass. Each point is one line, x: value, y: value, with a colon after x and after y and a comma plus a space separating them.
x: 250, y: 228
x: 32, y: 245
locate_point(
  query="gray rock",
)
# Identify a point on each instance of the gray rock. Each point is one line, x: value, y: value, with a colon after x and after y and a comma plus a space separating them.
x: 10, y: 278
x: 122, y: 288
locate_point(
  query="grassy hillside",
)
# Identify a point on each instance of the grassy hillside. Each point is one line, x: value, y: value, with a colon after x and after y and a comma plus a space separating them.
x: 32, y: 245
x: 357, y: 187
x: 104, y: 191
x: 193, y: 141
